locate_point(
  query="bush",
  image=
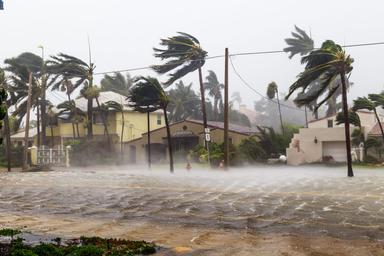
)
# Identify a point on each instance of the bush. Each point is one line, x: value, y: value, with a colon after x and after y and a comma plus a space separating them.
x: 16, y: 156
x: 200, y: 154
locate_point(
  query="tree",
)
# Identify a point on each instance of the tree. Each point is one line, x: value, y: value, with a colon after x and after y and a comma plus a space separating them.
x: 4, y: 117
x: 65, y: 67
x: 300, y: 43
x: 147, y: 95
x: 113, y: 105
x: 185, y: 54
x: 370, y: 104
x: 183, y: 102
x: 326, y: 64
x: 117, y: 83
x: 214, y: 87
x: 236, y: 98
x: 73, y: 113
x: 272, y: 92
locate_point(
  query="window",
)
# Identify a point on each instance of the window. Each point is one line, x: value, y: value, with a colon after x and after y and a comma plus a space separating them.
x: 330, y: 123
x: 158, y: 119
x: 98, y: 118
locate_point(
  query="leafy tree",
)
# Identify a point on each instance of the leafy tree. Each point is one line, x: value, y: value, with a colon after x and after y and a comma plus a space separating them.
x: 184, y: 55
x: 117, y: 83
x: 214, y: 87
x: 326, y: 64
x: 147, y: 95
x: 183, y: 102
x: 251, y: 150
x: 65, y: 67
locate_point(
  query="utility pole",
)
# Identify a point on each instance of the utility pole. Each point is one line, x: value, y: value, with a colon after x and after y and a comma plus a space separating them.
x: 226, y: 139
x: 25, y: 155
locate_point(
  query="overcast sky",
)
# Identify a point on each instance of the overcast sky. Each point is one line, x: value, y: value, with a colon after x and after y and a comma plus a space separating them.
x: 123, y: 33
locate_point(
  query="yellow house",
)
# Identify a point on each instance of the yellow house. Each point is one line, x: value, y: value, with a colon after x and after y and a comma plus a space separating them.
x: 185, y: 136
x: 61, y: 130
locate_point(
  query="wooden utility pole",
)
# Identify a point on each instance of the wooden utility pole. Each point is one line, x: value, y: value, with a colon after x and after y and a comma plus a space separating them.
x: 25, y: 155
x: 226, y: 139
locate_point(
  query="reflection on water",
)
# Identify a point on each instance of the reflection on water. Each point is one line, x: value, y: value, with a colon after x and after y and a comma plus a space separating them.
x: 306, y: 200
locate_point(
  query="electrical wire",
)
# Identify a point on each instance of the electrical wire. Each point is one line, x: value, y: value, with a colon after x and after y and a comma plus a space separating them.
x: 257, y: 92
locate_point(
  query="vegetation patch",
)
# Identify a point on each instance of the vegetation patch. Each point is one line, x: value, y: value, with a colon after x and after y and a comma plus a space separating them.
x: 85, y: 246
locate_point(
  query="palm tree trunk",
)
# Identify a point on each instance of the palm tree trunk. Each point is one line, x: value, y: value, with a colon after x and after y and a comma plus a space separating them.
x: 90, y: 118
x: 380, y: 125
x: 281, y: 118
x: 215, y: 110
x: 104, y: 123
x: 306, y: 117
x: 122, y: 135
x: 77, y: 129
x: 73, y: 123
x: 202, y: 92
x: 171, y: 168
x: 43, y: 117
x: 38, y: 122
x: 52, y: 138
x: 7, y: 140
x: 149, y: 139
x: 346, y: 124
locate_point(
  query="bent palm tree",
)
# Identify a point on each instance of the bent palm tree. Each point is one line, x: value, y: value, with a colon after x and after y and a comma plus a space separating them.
x: 185, y: 54
x: 65, y: 67
x: 147, y: 95
x: 214, y: 87
x: 116, y: 83
x: 369, y: 104
x: 273, y: 92
x: 326, y: 64
x: 301, y: 43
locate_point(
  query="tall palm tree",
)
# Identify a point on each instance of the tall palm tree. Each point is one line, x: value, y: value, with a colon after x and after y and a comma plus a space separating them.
x: 184, y: 102
x: 65, y: 67
x: 116, y: 83
x: 272, y: 92
x: 214, y: 87
x: 326, y: 64
x: 147, y: 95
x: 4, y: 117
x: 119, y: 107
x: 184, y: 55
x: 370, y: 105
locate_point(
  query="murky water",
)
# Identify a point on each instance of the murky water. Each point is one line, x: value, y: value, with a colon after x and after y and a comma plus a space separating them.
x: 261, y: 200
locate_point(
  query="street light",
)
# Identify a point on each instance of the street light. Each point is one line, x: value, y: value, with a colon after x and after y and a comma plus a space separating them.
x: 1, y: 5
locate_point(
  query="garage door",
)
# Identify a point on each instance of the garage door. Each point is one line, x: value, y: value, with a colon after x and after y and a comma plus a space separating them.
x: 336, y: 149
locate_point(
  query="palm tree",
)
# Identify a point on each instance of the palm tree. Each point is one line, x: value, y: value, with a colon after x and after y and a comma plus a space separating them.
x: 370, y: 105
x: 184, y: 102
x: 4, y: 117
x: 326, y: 64
x: 185, y: 54
x: 236, y: 98
x: 113, y: 105
x: 117, y: 83
x: 52, y: 116
x: 300, y: 43
x: 74, y: 114
x: 65, y: 67
x: 272, y: 92
x: 147, y: 95
x: 214, y: 87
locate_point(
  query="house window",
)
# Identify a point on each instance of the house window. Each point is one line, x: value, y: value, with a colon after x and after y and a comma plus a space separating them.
x: 330, y: 123
x: 98, y: 118
x: 158, y: 119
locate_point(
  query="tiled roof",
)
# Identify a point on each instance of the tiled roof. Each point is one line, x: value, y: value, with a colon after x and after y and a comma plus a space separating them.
x: 375, y: 131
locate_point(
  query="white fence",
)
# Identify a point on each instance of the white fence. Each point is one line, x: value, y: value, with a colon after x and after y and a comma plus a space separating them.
x: 57, y: 155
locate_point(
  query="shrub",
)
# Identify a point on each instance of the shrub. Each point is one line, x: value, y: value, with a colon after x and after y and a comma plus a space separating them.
x: 90, y: 152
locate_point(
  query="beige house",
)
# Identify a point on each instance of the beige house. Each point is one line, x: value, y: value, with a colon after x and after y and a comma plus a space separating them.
x: 323, y: 139
x: 185, y: 136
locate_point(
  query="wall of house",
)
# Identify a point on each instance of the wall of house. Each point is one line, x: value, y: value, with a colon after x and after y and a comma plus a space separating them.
x: 135, y: 124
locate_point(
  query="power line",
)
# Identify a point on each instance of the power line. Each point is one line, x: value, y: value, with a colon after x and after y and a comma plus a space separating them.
x: 236, y: 54
x: 257, y: 92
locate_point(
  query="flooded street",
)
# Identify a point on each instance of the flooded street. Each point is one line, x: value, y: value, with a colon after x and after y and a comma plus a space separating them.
x: 202, y: 212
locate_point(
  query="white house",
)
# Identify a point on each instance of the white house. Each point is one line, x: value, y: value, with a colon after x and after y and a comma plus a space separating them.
x: 325, y: 139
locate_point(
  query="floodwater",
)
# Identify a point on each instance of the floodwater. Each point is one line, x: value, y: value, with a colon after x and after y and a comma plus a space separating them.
x: 189, y: 208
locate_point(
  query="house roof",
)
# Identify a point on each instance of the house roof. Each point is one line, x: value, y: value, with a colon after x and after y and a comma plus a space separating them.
x: 21, y: 133
x: 331, y: 116
x: 375, y: 131
x: 104, y: 97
